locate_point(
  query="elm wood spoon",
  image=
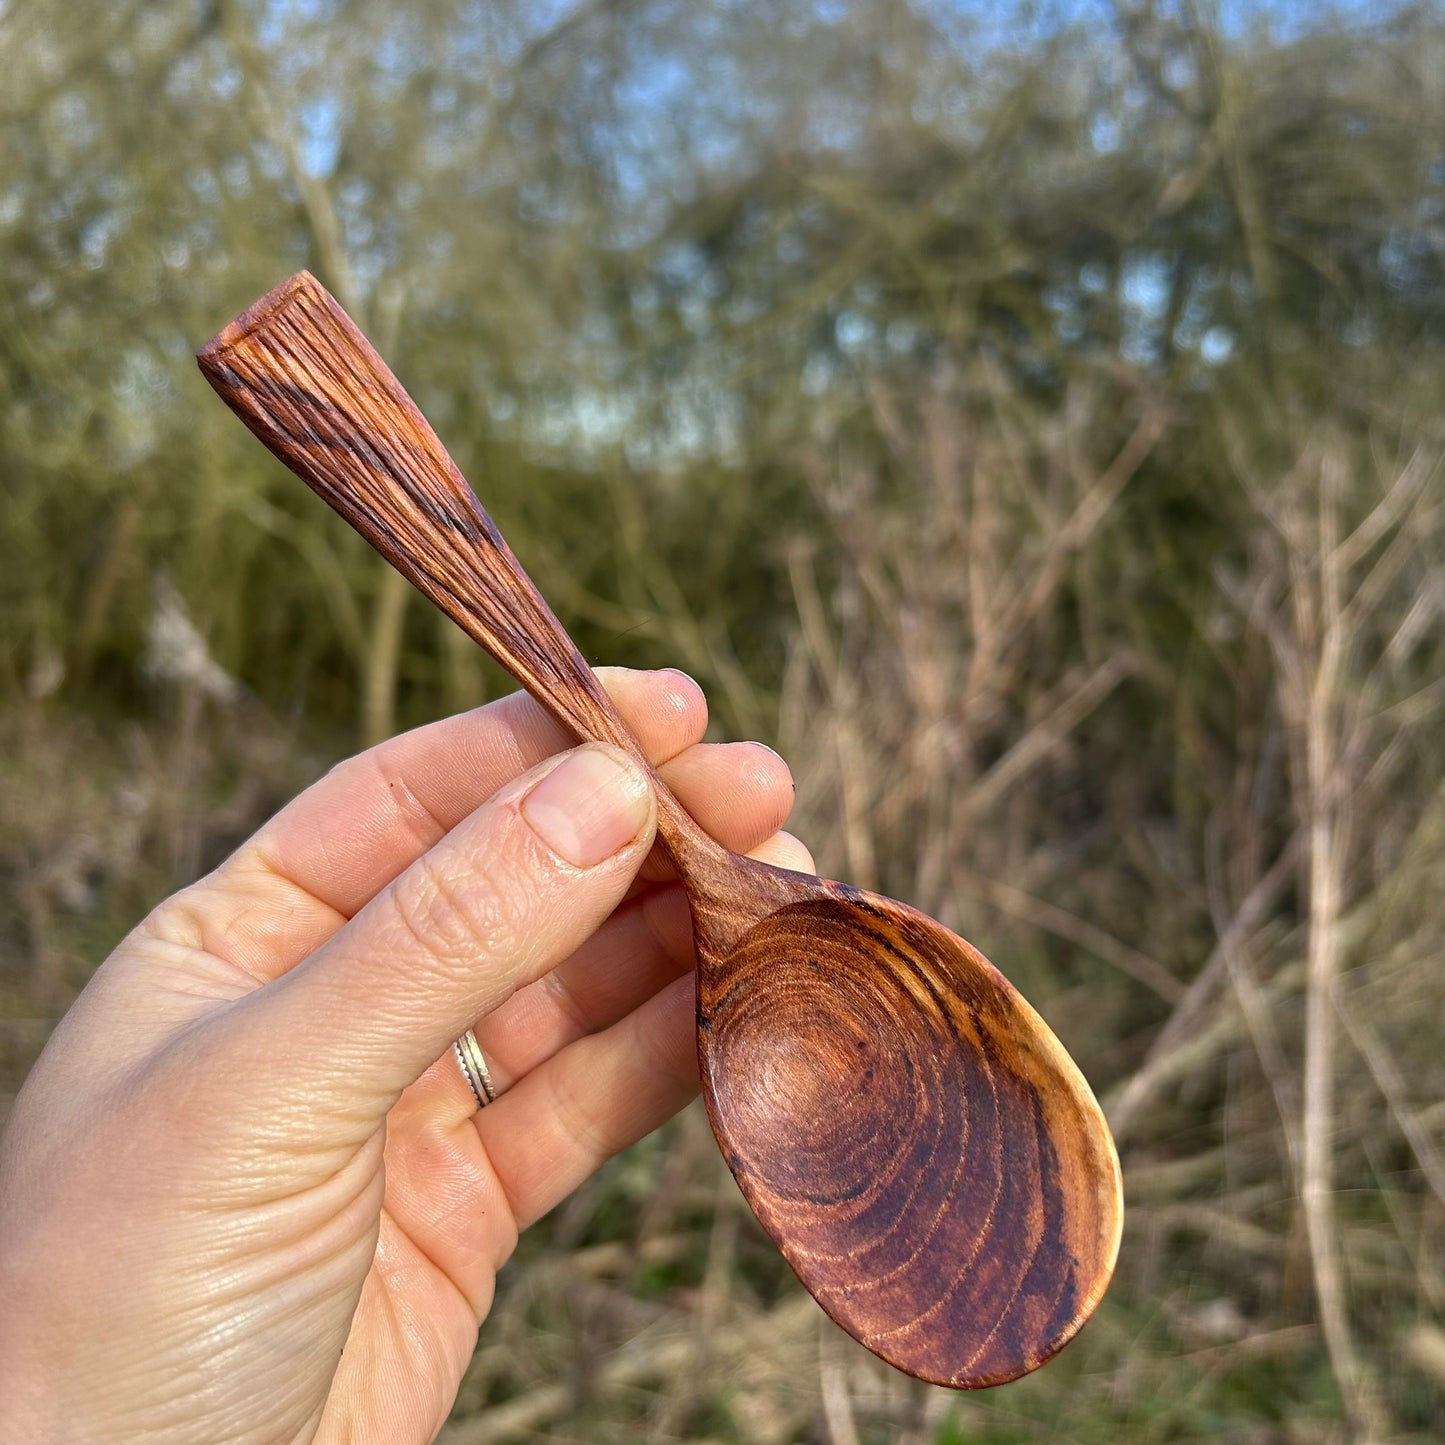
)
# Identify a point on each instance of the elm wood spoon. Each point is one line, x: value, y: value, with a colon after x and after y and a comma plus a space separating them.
x: 924, y: 1152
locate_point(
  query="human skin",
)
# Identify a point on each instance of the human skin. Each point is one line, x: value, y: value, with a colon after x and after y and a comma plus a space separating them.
x: 246, y: 1193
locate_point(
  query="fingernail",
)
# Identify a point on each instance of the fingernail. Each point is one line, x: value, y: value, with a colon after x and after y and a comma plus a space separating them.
x: 590, y: 806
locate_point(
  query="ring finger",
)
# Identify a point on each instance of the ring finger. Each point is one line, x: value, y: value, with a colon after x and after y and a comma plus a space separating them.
x: 640, y: 950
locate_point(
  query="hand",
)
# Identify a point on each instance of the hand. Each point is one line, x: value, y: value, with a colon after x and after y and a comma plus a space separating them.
x: 248, y: 1147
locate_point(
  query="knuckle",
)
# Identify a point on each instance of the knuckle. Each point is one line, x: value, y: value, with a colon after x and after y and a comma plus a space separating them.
x: 564, y: 999
x: 409, y: 809
x: 181, y: 921
x: 584, y: 1128
x: 456, y: 917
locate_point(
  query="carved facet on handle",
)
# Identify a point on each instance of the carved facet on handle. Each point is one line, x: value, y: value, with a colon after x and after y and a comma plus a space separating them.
x: 343, y: 423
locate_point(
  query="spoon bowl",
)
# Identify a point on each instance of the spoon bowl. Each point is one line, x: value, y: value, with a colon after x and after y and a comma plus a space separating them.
x: 919, y: 1149
x: 922, y: 1149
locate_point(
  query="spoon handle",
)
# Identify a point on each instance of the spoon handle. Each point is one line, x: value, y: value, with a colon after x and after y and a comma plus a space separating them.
x: 297, y: 370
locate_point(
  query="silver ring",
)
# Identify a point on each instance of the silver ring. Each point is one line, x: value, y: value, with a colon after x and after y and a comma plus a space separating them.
x: 474, y: 1069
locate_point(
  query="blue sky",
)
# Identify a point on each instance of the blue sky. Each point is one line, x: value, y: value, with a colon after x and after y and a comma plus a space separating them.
x: 1286, y: 17
x: 979, y: 24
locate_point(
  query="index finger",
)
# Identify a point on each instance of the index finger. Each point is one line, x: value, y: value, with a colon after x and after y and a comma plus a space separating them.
x: 333, y: 848
x: 347, y: 836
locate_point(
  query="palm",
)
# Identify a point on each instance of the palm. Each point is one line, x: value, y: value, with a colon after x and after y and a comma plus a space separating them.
x: 412, y: 1327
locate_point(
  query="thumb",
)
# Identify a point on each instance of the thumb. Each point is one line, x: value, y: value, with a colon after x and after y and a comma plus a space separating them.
x: 508, y: 894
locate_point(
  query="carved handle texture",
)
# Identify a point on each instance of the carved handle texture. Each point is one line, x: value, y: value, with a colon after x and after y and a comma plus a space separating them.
x: 297, y: 370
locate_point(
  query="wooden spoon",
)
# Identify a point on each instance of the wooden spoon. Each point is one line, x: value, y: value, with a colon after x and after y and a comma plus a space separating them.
x: 924, y: 1152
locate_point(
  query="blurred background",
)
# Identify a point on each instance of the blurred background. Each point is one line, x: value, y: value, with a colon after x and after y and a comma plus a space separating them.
x: 1027, y: 417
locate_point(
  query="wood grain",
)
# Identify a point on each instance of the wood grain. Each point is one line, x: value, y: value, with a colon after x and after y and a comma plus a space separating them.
x: 920, y: 1146
x: 910, y: 1147
x: 299, y: 373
